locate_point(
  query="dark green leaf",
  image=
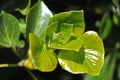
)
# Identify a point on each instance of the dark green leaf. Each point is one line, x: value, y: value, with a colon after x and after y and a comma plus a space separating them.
x: 116, y: 19
x: 106, y: 26
x: 94, y: 56
x: 9, y: 30
x: 44, y: 59
x: 37, y: 20
x: 115, y: 2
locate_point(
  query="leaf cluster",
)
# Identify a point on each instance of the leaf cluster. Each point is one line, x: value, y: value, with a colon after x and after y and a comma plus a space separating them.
x: 78, y: 51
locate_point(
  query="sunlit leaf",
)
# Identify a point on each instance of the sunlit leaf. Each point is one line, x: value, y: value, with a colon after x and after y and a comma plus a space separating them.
x: 107, y: 71
x: 44, y: 59
x: 29, y: 62
x: 92, y: 50
x: 72, y: 45
x: 9, y: 30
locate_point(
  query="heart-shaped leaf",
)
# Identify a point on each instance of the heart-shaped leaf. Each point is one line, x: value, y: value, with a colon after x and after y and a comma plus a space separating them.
x: 9, y: 30
x: 94, y: 55
x: 44, y: 59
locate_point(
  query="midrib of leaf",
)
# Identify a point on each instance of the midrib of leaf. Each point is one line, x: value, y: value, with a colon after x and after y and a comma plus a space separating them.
x: 3, y: 38
x: 9, y: 40
x: 43, y: 53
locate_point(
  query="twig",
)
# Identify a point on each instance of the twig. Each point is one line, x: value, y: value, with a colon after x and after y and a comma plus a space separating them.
x: 15, y: 51
x: 8, y: 65
x: 31, y: 74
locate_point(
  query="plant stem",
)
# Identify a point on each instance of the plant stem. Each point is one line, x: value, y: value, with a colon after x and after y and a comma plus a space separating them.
x: 15, y: 51
x: 31, y: 74
x: 8, y: 65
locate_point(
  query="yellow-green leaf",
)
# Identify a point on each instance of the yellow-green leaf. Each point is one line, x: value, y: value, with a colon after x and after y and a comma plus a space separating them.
x: 44, y: 59
x: 93, y: 51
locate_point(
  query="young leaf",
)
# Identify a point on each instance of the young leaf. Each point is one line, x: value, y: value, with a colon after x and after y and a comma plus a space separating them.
x: 72, y: 45
x: 65, y: 33
x: 44, y: 59
x: 26, y: 10
x: 68, y: 24
x: 51, y: 30
x: 22, y: 24
x: 28, y: 63
x: 9, y: 30
x: 72, y: 17
x: 94, y: 56
x: 37, y: 20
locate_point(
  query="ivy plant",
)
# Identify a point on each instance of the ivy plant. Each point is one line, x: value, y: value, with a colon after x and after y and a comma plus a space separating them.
x: 54, y: 39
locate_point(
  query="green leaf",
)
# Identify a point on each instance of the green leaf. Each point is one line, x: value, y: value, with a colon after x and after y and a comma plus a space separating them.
x: 94, y: 56
x: 44, y: 59
x: 65, y: 33
x: 66, y: 28
x: 37, y: 20
x: 106, y: 26
x: 26, y: 10
x: 107, y: 71
x: 22, y: 24
x: 70, y: 60
x: 116, y: 19
x: 28, y: 62
x: 72, y: 45
x: 72, y: 17
x: 115, y: 2
x: 9, y: 30
x: 51, y: 30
